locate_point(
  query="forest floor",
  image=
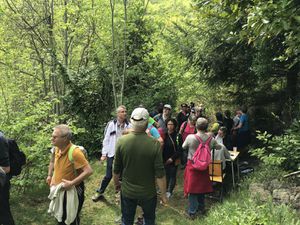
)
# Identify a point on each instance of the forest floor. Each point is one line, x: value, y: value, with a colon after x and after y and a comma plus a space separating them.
x: 30, y: 208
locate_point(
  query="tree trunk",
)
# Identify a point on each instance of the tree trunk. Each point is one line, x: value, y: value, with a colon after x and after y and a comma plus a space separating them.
x: 53, y: 66
x: 124, y: 52
x: 113, y: 63
x: 292, y: 92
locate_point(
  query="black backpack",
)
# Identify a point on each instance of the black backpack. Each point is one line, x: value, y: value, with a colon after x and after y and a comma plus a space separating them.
x: 17, y: 158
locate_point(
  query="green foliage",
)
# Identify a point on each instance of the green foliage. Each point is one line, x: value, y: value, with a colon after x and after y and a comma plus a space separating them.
x: 248, y: 49
x: 32, y: 131
x: 220, y: 53
x: 89, y: 105
x: 264, y: 173
x: 283, y: 150
x: 241, y: 208
x: 246, y: 211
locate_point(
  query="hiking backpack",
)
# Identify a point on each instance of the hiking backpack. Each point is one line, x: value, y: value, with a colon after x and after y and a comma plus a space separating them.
x: 70, y: 155
x: 202, y: 157
x: 17, y: 158
x: 114, y: 131
x: 71, y: 150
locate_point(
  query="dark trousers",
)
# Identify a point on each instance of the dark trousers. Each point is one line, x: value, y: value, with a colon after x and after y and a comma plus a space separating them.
x: 171, y: 171
x: 243, y: 139
x: 128, y: 208
x: 108, y: 175
x: 80, y: 193
x: 5, y: 213
x: 183, y: 159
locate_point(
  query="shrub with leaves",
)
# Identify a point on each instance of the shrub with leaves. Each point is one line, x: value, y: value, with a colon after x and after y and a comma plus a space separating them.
x: 283, y: 150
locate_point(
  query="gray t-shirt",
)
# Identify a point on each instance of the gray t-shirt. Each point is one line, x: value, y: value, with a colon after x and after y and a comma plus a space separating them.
x: 191, y: 143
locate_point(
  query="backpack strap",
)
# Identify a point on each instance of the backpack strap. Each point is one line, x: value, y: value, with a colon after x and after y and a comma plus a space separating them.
x: 204, y: 142
x: 70, y: 156
x: 157, y: 117
x: 114, y: 121
x: 70, y: 153
x: 184, y: 126
x: 126, y: 122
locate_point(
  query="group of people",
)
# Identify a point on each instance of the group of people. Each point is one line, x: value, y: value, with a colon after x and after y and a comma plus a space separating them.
x: 145, y: 151
x: 142, y: 157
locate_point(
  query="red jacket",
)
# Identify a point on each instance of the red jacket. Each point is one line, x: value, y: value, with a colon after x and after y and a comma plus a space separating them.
x: 195, y: 181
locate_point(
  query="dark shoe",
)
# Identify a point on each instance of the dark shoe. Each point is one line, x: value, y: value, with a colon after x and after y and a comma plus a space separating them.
x: 202, y: 212
x: 191, y: 216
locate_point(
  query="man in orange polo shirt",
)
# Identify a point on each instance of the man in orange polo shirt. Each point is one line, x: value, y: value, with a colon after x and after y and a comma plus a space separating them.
x: 66, y: 172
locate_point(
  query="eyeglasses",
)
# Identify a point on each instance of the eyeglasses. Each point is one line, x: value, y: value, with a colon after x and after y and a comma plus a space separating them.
x: 55, y: 137
x: 170, y: 124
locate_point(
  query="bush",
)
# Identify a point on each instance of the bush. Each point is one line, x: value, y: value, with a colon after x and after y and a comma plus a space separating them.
x: 245, y: 211
x: 283, y: 150
x: 32, y: 130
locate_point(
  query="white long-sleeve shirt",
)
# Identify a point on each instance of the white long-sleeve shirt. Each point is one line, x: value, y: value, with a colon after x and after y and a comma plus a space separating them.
x: 113, y: 132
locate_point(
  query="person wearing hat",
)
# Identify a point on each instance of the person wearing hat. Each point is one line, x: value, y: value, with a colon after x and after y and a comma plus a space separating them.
x: 183, y: 115
x: 138, y: 158
x: 162, y: 118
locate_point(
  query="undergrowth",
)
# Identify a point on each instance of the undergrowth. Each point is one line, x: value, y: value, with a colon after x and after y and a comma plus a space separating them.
x: 30, y: 208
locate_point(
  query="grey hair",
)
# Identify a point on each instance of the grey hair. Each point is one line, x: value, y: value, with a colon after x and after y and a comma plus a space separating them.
x: 192, y: 118
x: 64, y: 130
x: 120, y: 107
x: 201, y: 124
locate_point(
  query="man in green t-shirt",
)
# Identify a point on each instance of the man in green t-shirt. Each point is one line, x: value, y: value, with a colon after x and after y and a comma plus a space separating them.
x: 139, y: 159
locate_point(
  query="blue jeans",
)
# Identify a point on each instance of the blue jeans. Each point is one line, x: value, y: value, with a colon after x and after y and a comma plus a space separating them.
x: 128, y: 208
x: 196, y: 202
x: 108, y: 175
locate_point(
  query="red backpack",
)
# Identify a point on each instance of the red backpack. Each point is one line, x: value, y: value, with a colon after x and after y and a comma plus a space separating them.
x: 202, y: 157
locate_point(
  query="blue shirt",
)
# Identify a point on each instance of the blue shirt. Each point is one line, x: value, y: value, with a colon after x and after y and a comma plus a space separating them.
x: 245, y: 123
x: 153, y: 131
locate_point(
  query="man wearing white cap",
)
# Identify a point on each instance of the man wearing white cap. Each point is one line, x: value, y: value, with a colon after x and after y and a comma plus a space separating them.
x: 138, y: 158
x: 162, y: 118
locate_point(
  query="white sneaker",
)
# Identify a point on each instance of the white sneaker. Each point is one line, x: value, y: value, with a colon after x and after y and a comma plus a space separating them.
x: 118, y: 220
x: 97, y: 196
x: 168, y: 194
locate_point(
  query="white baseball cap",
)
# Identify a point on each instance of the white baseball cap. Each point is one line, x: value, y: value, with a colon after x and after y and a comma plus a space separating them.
x: 167, y: 106
x: 139, y: 114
